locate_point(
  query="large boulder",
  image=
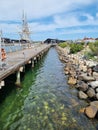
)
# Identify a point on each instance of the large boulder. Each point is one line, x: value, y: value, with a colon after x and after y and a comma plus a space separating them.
x: 86, y: 78
x: 75, y: 61
x: 95, y: 104
x: 66, y: 70
x: 91, y: 111
x: 95, y: 75
x: 82, y: 86
x: 82, y: 95
x: 91, y: 63
x: 94, y: 84
x: 72, y: 80
x: 84, y: 68
x: 91, y: 93
x: 72, y: 73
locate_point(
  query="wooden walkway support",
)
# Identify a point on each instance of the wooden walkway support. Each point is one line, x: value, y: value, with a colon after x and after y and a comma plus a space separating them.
x: 16, y: 61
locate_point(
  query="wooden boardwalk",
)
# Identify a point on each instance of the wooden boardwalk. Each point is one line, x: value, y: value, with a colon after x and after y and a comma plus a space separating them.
x: 17, y: 59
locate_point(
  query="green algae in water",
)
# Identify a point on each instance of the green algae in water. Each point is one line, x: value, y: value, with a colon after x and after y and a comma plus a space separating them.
x: 43, y: 102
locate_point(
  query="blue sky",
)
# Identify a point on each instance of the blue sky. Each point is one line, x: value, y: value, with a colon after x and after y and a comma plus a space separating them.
x: 61, y: 19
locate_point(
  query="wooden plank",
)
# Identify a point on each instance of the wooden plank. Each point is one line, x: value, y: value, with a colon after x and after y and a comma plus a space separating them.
x: 16, y: 59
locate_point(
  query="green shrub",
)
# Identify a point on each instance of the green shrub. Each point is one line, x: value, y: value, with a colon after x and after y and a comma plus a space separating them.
x: 94, y: 48
x: 88, y: 55
x: 63, y: 45
x: 74, y: 48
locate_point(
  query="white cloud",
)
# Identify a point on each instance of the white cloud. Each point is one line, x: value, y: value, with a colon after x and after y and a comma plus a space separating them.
x: 60, y: 10
x: 79, y: 31
x: 9, y: 28
x: 72, y: 19
x: 59, y: 22
x: 11, y: 9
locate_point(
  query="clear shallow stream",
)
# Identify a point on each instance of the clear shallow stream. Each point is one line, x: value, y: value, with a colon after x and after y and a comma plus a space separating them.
x: 44, y: 102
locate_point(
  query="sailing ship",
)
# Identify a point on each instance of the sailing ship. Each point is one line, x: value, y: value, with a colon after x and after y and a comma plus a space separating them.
x: 25, y: 31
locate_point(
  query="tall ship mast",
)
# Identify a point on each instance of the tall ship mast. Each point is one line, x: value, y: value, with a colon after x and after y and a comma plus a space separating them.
x: 25, y: 32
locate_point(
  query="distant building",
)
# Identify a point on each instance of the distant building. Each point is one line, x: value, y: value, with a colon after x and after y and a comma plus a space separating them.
x: 5, y: 40
x: 96, y: 39
x: 87, y: 40
x: 52, y: 41
x: 8, y: 40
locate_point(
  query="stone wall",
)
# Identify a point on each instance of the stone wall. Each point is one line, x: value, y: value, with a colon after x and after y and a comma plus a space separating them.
x: 83, y: 75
